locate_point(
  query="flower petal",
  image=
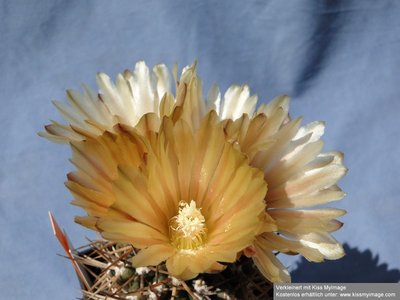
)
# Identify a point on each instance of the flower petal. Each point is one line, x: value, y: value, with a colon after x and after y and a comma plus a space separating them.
x: 137, y: 234
x: 237, y: 101
x: 324, y: 243
x: 152, y: 256
x: 269, y: 265
x: 305, y: 221
x: 276, y: 242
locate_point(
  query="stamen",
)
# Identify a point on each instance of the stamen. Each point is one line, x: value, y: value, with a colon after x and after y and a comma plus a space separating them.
x: 187, y: 228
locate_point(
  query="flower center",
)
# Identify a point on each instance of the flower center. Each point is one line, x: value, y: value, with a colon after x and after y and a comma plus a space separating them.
x: 187, y: 228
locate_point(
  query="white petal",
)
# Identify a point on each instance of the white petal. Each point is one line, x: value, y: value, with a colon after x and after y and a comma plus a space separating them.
x: 142, y: 89
x: 128, y: 114
x: 235, y: 102
x: 276, y: 103
x: 319, y: 197
x: 292, y: 163
x: 163, y: 80
x: 324, y: 243
x: 214, y: 99
x: 316, y: 129
x: 109, y: 94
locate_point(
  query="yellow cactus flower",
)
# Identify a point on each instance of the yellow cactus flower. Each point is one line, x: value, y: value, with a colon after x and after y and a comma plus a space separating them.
x: 182, y: 196
x: 122, y: 126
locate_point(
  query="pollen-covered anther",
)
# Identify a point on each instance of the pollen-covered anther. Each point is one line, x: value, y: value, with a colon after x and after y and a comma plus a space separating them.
x: 188, y: 229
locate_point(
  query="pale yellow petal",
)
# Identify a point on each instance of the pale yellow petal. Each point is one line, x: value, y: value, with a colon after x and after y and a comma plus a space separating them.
x: 309, y: 182
x: 152, y: 256
x: 184, y: 148
x: 177, y: 264
x: 133, y: 198
x: 307, y: 200
x: 87, y: 221
x: 167, y: 105
x: 305, y: 221
x: 87, y: 198
x: 276, y: 242
x: 293, y: 163
x: 60, y: 133
x: 214, y: 99
x: 69, y: 114
x: 135, y: 233
x: 269, y: 265
x: 209, y: 145
x: 265, y: 160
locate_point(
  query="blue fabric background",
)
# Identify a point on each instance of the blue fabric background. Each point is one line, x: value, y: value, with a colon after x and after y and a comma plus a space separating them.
x: 338, y: 60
